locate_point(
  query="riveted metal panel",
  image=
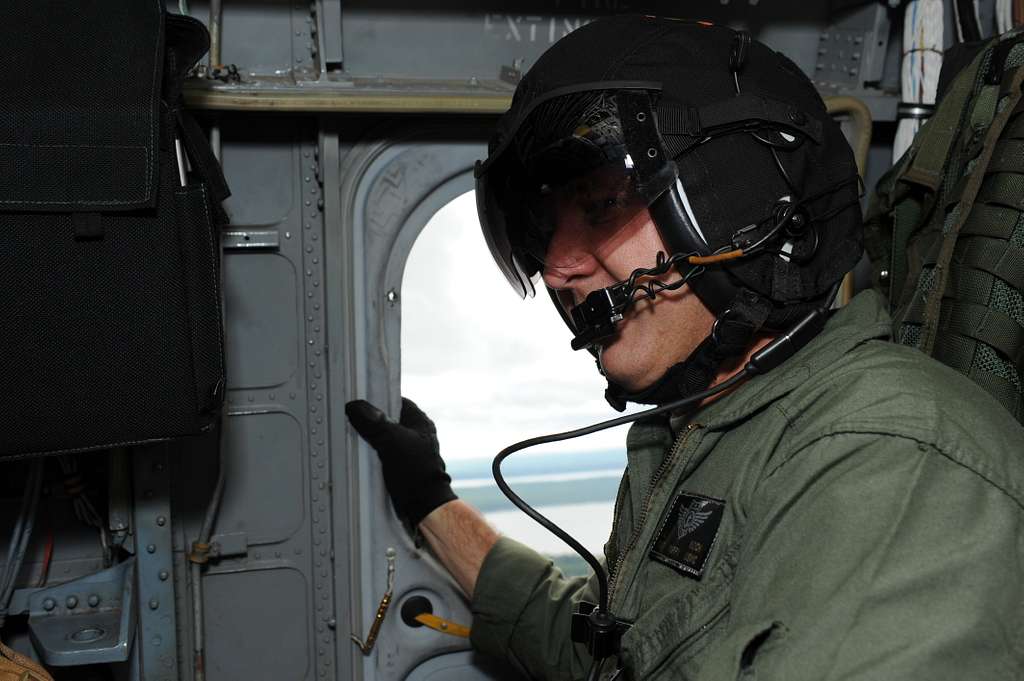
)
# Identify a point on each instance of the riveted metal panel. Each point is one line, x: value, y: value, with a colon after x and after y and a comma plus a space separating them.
x: 258, y: 625
x: 262, y: 162
x: 265, y: 463
x: 262, y: 320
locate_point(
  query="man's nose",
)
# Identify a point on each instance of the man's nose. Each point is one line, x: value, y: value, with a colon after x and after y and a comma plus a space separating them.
x: 569, y: 255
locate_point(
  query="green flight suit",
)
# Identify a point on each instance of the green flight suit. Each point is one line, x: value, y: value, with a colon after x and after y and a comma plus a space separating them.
x: 872, y: 529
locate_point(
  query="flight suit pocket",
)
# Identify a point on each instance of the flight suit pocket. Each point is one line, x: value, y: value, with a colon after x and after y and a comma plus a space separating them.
x: 744, y: 651
x: 665, y: 642
x: 760, y: 644
x: 658, y: 657
x: 671, y: 638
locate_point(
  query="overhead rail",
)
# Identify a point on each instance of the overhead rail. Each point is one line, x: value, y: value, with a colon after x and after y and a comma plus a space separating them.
x: 371, y: 95
x: 381, y: 95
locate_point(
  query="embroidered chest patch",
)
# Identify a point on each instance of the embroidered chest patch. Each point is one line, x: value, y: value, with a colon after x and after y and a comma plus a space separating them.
x: 688, y: 532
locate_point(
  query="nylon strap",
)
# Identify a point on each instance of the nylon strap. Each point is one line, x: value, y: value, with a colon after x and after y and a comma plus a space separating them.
x: 1015, y: 128
x: 934, y: 304
x: 1003, y: 189
x: 955, y: 195
x: 971, y: 286
x: 906, y: 216
x: 991, y: 220
x: 204, y: 163
x: 655, y: 171
x: 1008, y: 157
x: 936, y: 137
x: 983, y: 112
x: 685, y: 127
x: 956, y: 352
x: 1003, y: 159
x: 1003, y: 390
x: 998, y: 258
x: 988, y: 326
x: 914, y: 311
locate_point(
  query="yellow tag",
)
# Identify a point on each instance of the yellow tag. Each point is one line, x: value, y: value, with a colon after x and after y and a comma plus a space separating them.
x: 444, y: 626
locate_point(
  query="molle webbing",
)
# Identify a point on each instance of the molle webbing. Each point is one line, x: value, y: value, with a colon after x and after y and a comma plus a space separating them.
x: 966, y: 307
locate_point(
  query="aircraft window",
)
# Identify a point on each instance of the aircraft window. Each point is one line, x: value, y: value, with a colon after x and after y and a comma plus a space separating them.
x: 491, y: 370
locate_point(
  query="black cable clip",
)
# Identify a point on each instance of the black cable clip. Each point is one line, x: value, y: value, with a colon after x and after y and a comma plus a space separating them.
x: 599, y: 630
x: 595, y: 318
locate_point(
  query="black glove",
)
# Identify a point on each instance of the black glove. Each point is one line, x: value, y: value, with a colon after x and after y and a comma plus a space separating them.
x: 413, y: 468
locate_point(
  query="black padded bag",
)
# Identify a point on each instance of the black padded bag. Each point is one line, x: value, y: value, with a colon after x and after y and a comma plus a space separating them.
x: 110, y: 322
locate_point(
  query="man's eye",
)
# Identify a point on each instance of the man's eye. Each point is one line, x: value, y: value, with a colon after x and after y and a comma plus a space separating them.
x: 605, y: 210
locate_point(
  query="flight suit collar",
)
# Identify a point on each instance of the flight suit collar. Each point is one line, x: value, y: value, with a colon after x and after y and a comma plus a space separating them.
x: 650, y: 440
x: 697, y: 603
x: 863, y: 319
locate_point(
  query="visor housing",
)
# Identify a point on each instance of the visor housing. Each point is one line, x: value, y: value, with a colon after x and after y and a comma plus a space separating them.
x: 562, y: 188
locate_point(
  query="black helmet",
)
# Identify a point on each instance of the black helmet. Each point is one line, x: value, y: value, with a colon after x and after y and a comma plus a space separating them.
x: 725, y: 141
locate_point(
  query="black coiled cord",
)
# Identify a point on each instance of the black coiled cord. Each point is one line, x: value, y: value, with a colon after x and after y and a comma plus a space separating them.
x: 651, y: 289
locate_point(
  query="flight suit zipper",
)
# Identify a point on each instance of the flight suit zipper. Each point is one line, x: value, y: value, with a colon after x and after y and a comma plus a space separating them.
x: 638, y: 526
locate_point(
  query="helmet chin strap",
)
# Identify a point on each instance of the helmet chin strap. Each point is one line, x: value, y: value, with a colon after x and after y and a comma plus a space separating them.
x: 731, y: 336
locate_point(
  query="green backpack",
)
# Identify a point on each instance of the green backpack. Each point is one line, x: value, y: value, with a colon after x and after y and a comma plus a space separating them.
x: 945, y: 228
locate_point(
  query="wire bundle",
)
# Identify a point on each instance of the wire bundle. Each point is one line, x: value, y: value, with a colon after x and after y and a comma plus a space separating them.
x: 922, y: 62
x: 20, y: 538
x: 85, y: 510
x: 1004, y: 15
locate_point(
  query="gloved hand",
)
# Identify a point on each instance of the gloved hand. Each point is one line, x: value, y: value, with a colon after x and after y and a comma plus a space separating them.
x: 413, y: 468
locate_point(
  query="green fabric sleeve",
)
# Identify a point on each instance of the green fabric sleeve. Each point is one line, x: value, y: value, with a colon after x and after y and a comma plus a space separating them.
x: 522, y: 607
x: 877, y: 557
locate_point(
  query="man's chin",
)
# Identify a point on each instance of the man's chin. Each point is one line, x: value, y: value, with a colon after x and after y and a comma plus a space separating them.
x: 618, y: 369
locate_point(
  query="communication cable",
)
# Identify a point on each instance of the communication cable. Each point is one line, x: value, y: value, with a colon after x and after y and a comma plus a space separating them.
x: 21, y: 536
x: 602, y: 579
x: 772, y: 355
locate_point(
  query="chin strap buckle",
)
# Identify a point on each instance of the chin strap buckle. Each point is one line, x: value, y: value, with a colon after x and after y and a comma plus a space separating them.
x: 599, y: 630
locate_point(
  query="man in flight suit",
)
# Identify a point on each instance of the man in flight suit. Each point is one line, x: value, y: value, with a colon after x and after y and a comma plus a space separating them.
x: 853, y: 513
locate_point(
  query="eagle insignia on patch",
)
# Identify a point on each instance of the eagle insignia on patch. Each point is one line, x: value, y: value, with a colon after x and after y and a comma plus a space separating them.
x: 688, y: 532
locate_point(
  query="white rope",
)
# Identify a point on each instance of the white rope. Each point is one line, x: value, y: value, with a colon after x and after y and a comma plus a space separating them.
x: 922, y: 61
